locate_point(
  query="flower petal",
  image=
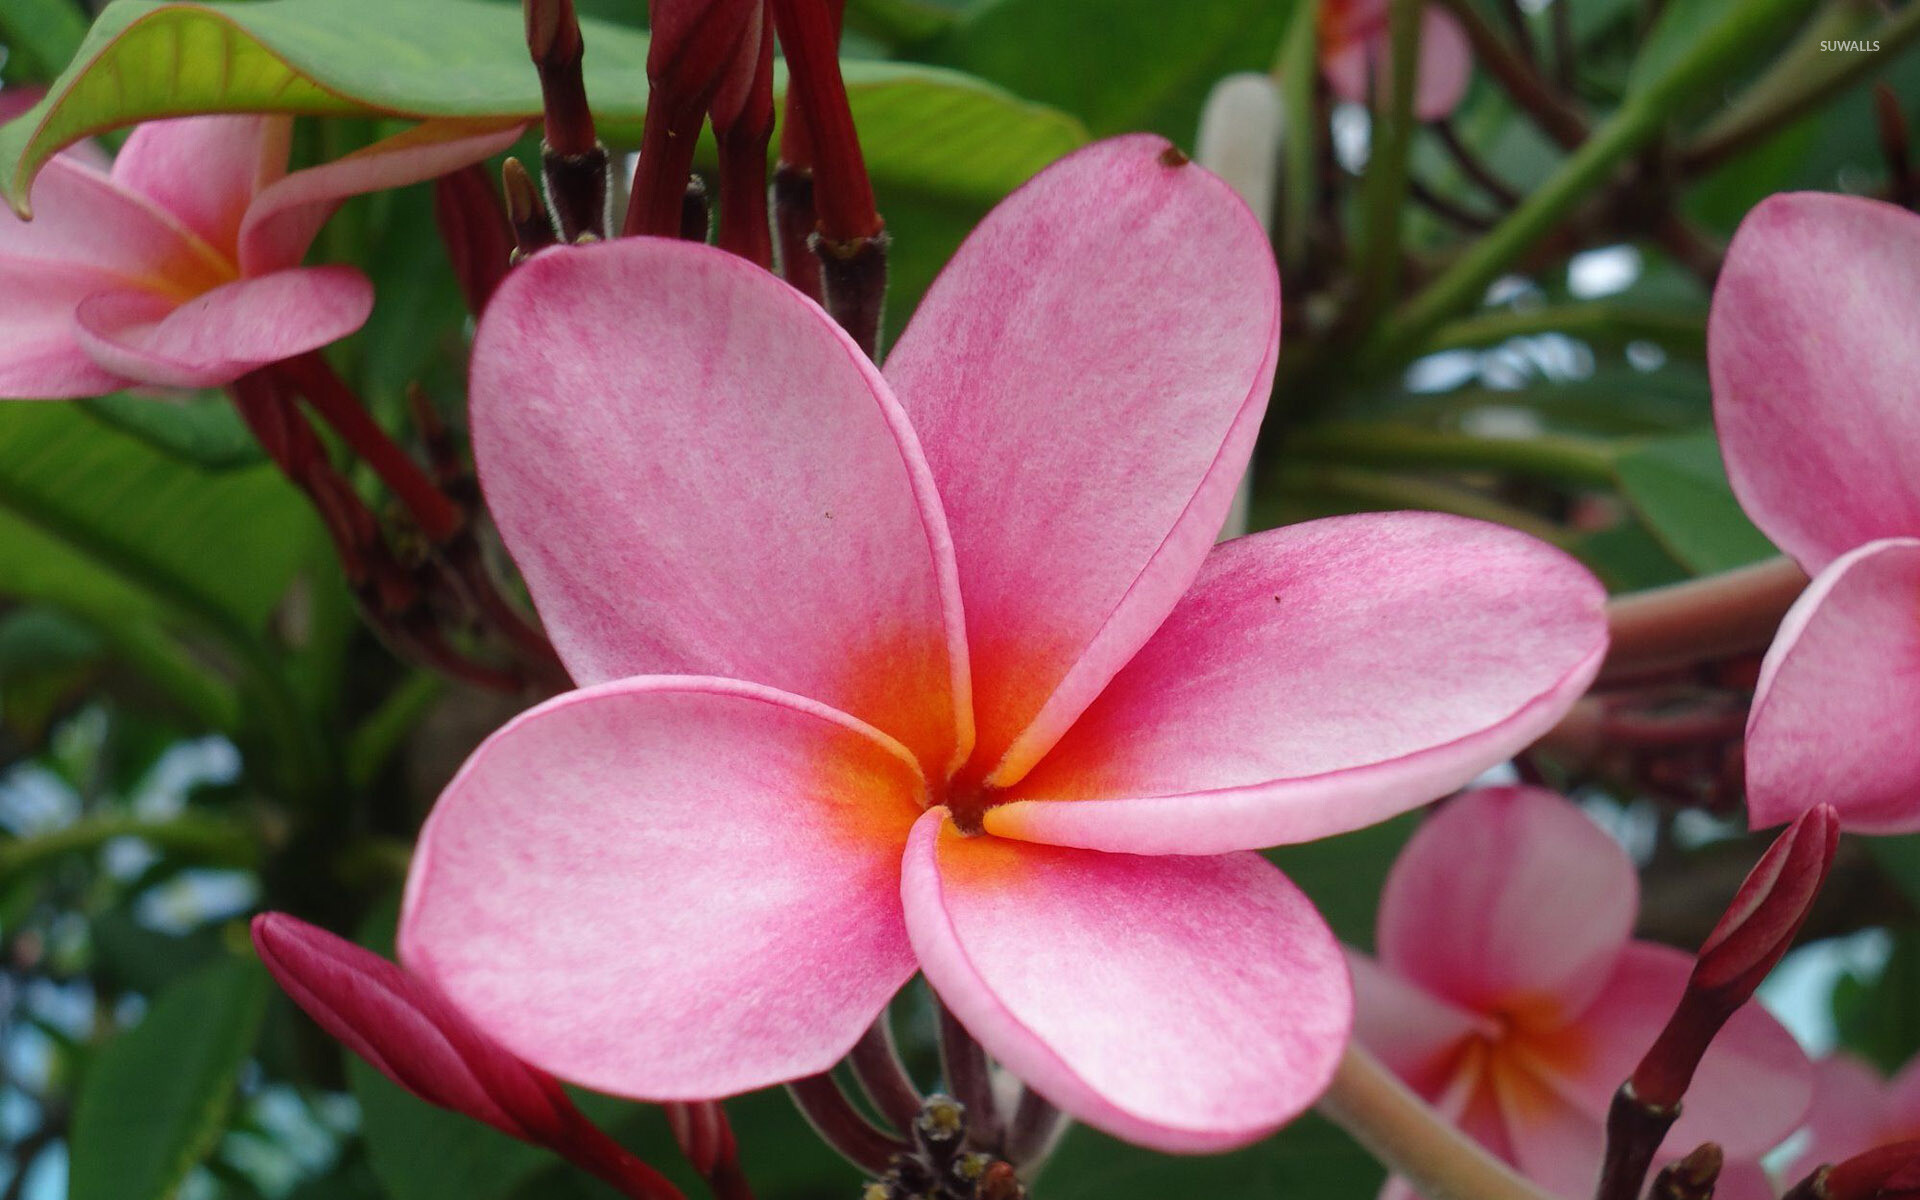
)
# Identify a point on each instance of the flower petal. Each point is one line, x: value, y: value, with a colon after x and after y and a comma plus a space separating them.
x: 39, y: 356
x: 1552, y: 1142
x: 284, y: 217
x: 81, y: 219
x: 1350, y: 56
x: 705, y: 872
x: 1832, y: 717
x: 1187, y: 1004
x: 1416, y: 1034
x: 218, y: 336
x: 1317, y: 679
x: 1850, y: 1113
x: 697, y: 472
x: 205, y: 170
x: 1087, y: 374
x: 1532, y: 931
x: 1811, y: 349
x: 1446, y: 65
x: 1752, y: 1088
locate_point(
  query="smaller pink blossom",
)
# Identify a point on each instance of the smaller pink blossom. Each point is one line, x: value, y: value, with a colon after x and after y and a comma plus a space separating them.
x: 1512, y: 997
x: 1355, y: 47
x: 179, y: 266
x: 1814, y: 363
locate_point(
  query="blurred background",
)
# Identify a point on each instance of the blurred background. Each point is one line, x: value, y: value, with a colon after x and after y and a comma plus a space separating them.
x: 195, y: 724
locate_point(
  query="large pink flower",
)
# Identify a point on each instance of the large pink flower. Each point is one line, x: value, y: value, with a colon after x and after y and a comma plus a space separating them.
x: 1816, y: 388
x: 935, y: 669
x: 1507, y: 992
x: 181, y: 267
x: 1355, y: 48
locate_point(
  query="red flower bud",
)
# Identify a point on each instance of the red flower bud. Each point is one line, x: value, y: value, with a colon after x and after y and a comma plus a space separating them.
x: 473, y: 225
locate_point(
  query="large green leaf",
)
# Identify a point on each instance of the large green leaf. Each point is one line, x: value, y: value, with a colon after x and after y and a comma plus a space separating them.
x: 154, y: 1102
x: 1309, y: 1158
x: 217, y: 547
x: 1135, y: 64
x: 1679, y: 487
x: 933, y: 130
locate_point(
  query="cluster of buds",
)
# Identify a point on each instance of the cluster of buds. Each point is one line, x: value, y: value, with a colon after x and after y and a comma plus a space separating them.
x: 939, y: 1165
x: 711, y: 61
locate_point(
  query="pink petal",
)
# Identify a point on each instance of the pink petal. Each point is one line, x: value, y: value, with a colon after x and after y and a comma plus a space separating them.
x: 1446, y: 65
x: 1743, y: 1181
x: 82, y: 220
x: 216, y: 337
x: 1752, y: 1088
x: 1833, y: 714
x: 671, y: 888
x: 39, y: 357
x: 1851, y: 1112
x: 1813, y: 358
x: 1532, y: 931
x: 1087, y: 374
x: 1446, y: 61
x: 284, y: 217
x: 1317, y: 679
x: 1416, y: 1034
x: 1554, y: 1143
x: 205, y: 170
x: 1187, y: 1004
x: 697, y: 472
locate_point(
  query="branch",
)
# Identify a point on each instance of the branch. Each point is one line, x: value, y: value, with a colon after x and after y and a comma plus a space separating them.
x: 1412, y: 1140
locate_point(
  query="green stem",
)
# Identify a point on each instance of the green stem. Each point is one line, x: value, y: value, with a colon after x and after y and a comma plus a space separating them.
x: 196, y: 836
x: 1601, y: 321
x: 1381, y: 491
x: 376, y: 738
x: 1380, y: 444
x: 1412, y: 1140
x: 1385, y: 198
x: 1639, y: 120
x: 1800, y: 81
x: 1297, y: 71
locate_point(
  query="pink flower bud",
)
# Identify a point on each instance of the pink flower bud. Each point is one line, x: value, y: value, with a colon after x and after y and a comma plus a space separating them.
x: 407, y: 1032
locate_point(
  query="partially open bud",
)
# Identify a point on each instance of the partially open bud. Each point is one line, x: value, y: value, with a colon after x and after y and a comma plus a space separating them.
x: 1759, y: 926
x: 1692, y: 1178
x: 701, y: 50
x: 405, y: 1030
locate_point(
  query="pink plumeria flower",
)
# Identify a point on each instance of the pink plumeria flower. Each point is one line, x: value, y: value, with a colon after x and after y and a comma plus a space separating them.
x: 1855, y: 1110
x: 934, y: 669
x: 1507, y: 992
x: 1816, y: 392
x: 1355, y: 47
x: 180, y: 267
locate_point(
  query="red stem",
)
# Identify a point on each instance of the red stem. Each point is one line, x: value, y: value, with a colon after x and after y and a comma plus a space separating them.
x: 438, y: 517
x: 843, y: 194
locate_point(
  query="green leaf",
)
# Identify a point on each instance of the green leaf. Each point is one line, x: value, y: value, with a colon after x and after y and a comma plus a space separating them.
x: 1679, y: 487
x: 203, y: 430
x: 154, y: 1102
x: 922, y: 128
x: 1343, y: 875
x: 1135, y: 64
x: 218, y: 547
x: 39, y: 36
x: 1879, y: 1017
x: 425, y: 1153
x: 1307, y: 1158
x: 1690, y: 28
